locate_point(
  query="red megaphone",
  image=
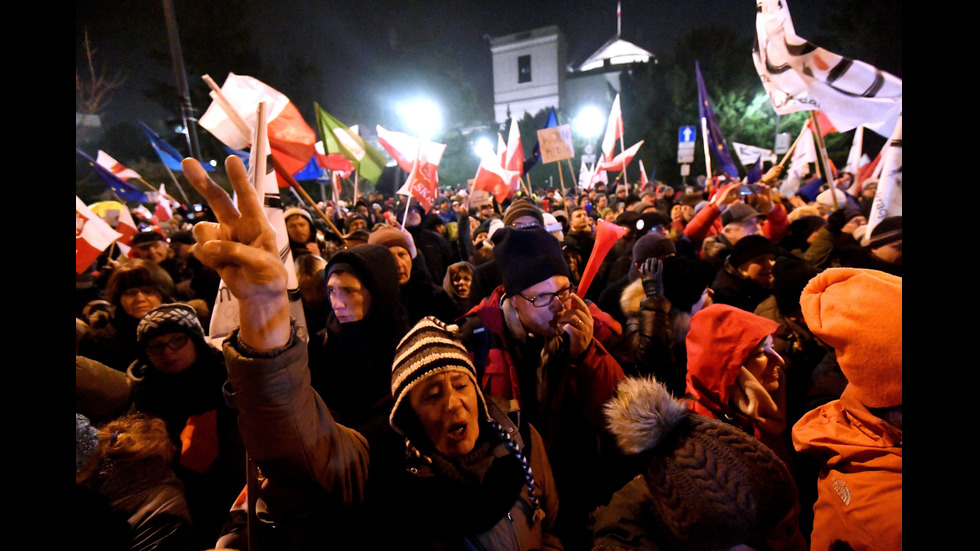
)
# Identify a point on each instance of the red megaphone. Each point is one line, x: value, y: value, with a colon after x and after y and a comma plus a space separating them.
x: 605, y: 237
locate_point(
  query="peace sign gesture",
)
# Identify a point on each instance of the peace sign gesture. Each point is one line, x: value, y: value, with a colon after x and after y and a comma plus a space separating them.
x: 241, y: 247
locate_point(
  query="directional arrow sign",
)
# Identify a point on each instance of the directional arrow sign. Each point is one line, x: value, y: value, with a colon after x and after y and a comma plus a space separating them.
x: 685, y: 144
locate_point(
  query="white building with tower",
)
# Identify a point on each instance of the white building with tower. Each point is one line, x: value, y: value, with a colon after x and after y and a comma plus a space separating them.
x: 531, y: 73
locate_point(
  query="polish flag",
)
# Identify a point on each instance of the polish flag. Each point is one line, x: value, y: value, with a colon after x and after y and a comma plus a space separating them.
x: 514, y: 159
x: 163, y: 211
x: 334, y: 162
x: 614, y: 129
x: 404, y: 148
x: 644, y: 180
x: 290, y: 138
x: 620, y: 162
x: 92, y: 236
x: 116, y: 167
x: 493, y: 178
x: 126, y: 226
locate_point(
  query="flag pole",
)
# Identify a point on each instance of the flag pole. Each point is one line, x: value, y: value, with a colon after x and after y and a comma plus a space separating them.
x: 789, y: 152
x: 707, y: 150
x: 570, y: 169
x: 561, y: 180
x: 826, y: 159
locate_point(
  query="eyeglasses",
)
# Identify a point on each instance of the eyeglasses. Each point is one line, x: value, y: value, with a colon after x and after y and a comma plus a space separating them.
x: 545, y: 299
x: 173, y: 344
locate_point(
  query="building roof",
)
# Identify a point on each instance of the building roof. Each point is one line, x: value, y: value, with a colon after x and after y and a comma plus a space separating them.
x: 618, y: 52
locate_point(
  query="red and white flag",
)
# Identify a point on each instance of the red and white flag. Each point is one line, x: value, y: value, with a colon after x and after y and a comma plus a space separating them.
x: 126, y: 226
x: 422, y: 182
x: 290, y: 138
x: 334, y: 162
x: 163, y: 211
x: 92, y: 236
x: 621, y: 161
x: 493, y: 178
x: 644, y: 180
x: 514, y: 159
x: 404, y: 148
x: 614, y: 130
x: 116, y: 167
x: 501, y: 150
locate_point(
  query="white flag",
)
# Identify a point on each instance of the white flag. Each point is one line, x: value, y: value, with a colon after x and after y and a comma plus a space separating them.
x: 748, y: 154
x: 888, y: 196
x: 799, y: 76
x: 804, y: 154
x: 854, y: 157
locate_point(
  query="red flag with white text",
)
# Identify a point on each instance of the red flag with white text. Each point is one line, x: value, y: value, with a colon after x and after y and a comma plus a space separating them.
x: 423, y: 183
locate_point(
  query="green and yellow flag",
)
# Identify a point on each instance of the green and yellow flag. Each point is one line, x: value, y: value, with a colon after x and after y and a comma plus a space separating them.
x: 338, y: 138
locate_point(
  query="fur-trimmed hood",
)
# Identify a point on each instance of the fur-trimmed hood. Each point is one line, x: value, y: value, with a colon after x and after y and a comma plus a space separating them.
x: 642, y: 413
x: 631, y: 297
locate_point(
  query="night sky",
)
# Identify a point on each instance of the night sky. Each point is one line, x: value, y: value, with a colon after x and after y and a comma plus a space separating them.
x: 344, y: 39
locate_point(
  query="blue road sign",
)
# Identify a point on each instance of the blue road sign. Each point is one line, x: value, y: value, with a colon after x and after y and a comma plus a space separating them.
x: 687, y: 134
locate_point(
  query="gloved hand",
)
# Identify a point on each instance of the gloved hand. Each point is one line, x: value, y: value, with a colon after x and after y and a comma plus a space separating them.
x: 652, y: 275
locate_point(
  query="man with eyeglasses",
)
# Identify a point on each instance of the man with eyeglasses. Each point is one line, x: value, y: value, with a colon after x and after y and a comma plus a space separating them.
x: 533, y: 340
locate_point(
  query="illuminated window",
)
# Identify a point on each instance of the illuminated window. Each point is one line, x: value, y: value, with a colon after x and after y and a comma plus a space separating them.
x: 524, y: 68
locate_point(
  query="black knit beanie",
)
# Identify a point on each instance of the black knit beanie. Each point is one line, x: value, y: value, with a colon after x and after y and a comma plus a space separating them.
x: 522, y: 207
x: 527, y: 256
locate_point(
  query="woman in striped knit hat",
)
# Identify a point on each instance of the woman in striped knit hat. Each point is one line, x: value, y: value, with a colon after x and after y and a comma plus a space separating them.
x: 449, y: 470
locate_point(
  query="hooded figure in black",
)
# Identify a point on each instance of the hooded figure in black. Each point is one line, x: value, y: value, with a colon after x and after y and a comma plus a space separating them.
x: 350, y: 360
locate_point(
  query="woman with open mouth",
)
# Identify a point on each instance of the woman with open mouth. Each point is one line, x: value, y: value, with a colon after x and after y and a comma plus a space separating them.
x: 448, y: 470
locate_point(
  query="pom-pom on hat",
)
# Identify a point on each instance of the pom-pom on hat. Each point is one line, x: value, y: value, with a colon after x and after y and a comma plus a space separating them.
x: 711, y: 485
x: 429, y: 348
x: 527, y: 256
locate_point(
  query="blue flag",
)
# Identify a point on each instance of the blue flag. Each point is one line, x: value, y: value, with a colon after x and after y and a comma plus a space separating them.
x: 755, y: 173
x: 243, y: 155
x: 168, y: 155
x: 535, y: 157
x: 311, y: 171
x: 119, y: 186
x: 716, y: 141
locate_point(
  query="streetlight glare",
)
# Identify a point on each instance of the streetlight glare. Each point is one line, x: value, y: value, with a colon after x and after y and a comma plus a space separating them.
x: 589, y: 121
x: 421, y: 116
x: 483, y: 148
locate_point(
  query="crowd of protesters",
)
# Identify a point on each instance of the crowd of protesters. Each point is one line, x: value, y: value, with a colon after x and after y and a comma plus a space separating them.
x: 731, y: 378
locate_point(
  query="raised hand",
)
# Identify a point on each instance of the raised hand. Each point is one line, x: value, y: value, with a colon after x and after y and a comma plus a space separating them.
x: 241, y: 247
x: 652, y: 275
x: 579, y: 325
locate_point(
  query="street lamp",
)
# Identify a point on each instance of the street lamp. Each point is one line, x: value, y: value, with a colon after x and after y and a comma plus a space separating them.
x: 483, y: 148
x: 589, y: 121
x: 422, y: 116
